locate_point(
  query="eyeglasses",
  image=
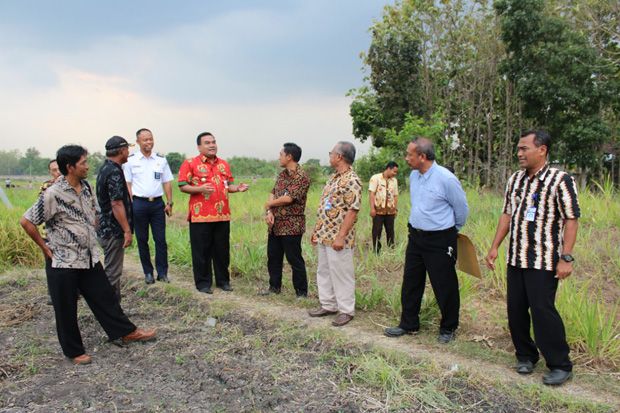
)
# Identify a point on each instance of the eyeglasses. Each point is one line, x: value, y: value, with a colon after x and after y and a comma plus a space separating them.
x: 334, y: 153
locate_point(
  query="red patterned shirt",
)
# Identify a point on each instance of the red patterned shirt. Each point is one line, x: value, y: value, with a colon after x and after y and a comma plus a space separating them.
x: 213, y: 207
x: 290, y: 219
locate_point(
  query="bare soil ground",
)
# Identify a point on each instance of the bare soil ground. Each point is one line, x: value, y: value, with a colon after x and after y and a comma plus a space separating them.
x: 261, y: 355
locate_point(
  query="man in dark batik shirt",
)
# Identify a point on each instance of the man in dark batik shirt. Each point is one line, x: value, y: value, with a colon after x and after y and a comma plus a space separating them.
x: 115, y: 215
x: 285, y: 216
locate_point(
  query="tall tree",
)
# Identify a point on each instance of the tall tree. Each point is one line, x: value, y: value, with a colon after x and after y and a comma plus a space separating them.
x: 560, y: 78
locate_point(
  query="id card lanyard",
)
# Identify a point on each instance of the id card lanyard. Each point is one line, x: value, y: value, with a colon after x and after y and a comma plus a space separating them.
x: 530, y: 214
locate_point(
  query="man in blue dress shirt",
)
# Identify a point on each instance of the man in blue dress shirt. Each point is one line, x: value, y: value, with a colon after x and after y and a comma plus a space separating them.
x: 438, y: 210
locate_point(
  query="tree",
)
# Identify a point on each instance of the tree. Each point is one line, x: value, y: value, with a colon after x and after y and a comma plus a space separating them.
x: 393, y: 59
x: 175, y: 159
x: 95, y: 161
x: 560, y: 78
x: 10, y: 162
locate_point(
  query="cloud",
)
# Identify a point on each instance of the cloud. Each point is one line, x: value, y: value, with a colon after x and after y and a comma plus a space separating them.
x: 87, y: 109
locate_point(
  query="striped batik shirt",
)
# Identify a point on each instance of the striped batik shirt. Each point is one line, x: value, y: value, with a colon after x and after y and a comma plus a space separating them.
x: 537, y: 244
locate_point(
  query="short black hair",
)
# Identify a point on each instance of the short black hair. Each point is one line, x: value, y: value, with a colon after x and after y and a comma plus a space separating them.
x: 201, y: 135
x: 391, y: 165
x: 142, y: 130
x: 541, y: 138
x: 292, y: 149
x: 69, y: 155
x: 50, y: 163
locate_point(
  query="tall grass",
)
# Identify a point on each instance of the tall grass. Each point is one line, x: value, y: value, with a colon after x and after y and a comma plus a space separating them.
x: 587, y: 300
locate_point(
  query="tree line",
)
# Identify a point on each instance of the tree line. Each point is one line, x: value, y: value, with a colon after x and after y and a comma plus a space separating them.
x: 31, y: 163
x: 473, y: 74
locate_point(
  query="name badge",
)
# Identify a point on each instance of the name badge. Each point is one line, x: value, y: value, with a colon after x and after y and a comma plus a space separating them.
x: 328, y: 205
x: 530, y: 215
x: 157, y: 175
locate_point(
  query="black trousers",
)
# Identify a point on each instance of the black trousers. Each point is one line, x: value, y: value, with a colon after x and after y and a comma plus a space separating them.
x: 289, y: 245
x: 433, y: 252
x: 145, y: 214
x: 534, y: 290
x: 378, y: 222
x: 210, y: 242
x: 64, y: 285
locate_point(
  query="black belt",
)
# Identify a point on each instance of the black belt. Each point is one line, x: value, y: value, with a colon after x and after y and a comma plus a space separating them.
x: 423, y: 232
x: 150, y: 199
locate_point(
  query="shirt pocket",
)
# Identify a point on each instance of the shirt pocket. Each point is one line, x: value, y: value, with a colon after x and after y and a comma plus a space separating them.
x: 434, y: 199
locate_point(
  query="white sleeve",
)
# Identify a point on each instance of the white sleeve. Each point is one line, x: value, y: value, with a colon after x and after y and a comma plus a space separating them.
x: 127, y: 171
x: 167, y: 173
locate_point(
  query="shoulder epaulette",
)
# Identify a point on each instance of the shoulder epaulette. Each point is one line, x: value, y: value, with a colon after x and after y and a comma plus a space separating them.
x: 160, y: 155
x: 131, y: 155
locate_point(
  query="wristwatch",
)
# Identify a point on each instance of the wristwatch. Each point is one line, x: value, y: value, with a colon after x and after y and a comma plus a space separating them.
x: 567, y: 258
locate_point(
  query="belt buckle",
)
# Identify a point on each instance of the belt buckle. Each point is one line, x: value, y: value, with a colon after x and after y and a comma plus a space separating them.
x: 151, y: 199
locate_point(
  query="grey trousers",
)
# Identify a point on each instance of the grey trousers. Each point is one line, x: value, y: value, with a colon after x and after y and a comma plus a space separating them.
x: 335, y: 279
x: 114, y: 255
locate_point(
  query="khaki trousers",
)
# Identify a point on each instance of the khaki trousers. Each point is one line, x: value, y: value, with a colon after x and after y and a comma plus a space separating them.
x: 335, y: 279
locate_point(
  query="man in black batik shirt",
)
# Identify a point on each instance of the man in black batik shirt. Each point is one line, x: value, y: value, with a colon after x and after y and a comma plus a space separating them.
x: 540, y: 212
x: 115, y: 216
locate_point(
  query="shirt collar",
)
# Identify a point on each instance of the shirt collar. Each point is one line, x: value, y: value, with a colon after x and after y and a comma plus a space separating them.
x: 204, y: 159
x: 142, y: 156
x: 542, y: 173
x: 426, y: 175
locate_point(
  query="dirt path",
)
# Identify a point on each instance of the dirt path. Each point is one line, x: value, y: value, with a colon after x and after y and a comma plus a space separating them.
x: 235, y: 352
x: 367, y: 334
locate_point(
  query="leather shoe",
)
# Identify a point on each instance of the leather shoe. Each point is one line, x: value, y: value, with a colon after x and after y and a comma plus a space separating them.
x: 556, y: 377
x: 446, y: 337
x: 342, y: 319
x: 320, y: 312
x: 524, y: 367
x: 397, y: 331
x: 83, y: 359
x: 148, y: 278
x: 140, y: 335
x: 163, y: 278
x: 206, y: 290
x: 226, y: 287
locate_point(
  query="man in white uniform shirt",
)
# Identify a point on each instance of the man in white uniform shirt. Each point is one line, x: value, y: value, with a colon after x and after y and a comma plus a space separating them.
x: 148, y: 177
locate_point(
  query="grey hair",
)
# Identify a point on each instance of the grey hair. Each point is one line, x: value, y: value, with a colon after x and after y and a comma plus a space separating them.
x: 424, y: 146
x: 347, y: 150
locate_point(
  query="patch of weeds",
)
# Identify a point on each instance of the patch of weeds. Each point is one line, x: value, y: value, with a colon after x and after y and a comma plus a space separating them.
x: 179, y: 359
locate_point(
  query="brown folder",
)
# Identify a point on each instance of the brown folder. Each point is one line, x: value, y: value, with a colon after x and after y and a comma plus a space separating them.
x: 467, y: 260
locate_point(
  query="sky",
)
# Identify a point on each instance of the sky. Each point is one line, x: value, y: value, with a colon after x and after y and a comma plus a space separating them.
x: 256, y: 74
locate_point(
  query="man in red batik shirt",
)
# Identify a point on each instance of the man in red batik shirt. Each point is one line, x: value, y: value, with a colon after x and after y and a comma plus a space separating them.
x: 208, y: 180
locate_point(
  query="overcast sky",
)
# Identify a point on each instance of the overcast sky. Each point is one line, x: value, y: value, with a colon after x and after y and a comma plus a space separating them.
x: 254, y: 73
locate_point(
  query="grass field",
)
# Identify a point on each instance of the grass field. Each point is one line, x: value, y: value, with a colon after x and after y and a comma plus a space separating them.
x: 588, y: 300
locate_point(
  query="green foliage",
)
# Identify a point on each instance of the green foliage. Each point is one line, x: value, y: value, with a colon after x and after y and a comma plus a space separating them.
x: 245, y: 166
x: 175, y: 159
x: 395, y: 146
x: 561, y: 79
x: 394, y: 59
x: 315, y: 171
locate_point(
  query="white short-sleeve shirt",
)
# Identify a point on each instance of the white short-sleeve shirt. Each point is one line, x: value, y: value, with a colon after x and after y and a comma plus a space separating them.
x: 146, y: 174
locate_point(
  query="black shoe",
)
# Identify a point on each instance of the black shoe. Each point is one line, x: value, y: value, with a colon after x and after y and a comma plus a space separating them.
x: 269, y: 291
x: 163, y: 278
x: 206, y: 290
x: 302, y: 295
x: 226, y: 287
x: 148, y: 278
x: 524, y: 367
x: 397, y: 331
x: 556, y: 377
x: 446, y: 337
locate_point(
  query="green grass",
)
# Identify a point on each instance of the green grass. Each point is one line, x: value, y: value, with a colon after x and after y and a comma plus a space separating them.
x: 587, y: 300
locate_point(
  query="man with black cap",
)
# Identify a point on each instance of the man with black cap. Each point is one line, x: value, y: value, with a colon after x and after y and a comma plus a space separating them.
x: 115, y: 215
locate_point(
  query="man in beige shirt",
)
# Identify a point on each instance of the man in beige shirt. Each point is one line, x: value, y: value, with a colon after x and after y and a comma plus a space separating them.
x: 383, y: 191
x: 334, y: 235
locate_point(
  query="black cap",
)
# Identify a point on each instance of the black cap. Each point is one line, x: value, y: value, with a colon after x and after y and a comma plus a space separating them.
x: 116, y: 142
